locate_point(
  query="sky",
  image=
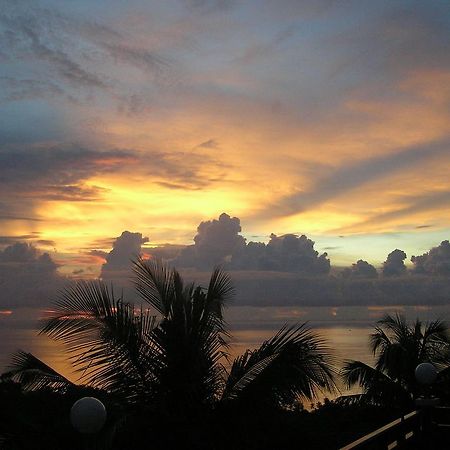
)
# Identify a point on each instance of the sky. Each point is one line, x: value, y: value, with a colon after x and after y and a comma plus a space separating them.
x: 324, y: 118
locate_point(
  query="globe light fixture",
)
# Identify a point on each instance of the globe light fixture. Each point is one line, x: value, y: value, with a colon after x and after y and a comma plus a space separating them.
x: 88, y: 415
x: 425, y: 373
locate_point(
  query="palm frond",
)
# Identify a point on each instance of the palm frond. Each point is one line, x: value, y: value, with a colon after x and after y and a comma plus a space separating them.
x: 379, y: 340
x: 378, y: 388
x: 437, y: 330
x: 396, y: 324
x: 294, y: 363
x: 357, y: 372
x: 155, y: 282
x: 220, y: 291
x: 34, y: 374
x: 110, y: 341
x: 243, y: 372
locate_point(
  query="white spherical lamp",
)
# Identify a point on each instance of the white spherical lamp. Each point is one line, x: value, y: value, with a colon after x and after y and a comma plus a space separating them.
x: 88, y: 415
x: 426, y: 373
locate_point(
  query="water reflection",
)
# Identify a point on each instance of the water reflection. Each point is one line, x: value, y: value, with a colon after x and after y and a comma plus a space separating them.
x: 346, y: 330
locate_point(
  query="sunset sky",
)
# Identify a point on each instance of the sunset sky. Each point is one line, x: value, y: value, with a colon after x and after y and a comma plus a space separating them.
x: 325, y: 118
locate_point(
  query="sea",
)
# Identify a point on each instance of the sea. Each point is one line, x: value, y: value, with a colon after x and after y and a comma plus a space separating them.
x: 345, y: 329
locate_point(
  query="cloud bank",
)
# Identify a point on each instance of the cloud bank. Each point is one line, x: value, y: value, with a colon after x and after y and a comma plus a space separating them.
x: 28, y: 277
x: 286, y: 270
x: 218, y: 242
x: 434, y: 262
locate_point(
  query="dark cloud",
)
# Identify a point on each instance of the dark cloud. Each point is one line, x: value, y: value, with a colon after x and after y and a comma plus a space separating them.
x: 58, y: 166
x: 215, y: 243
x: 287, y: 253
x: 59, y: 173
x: 267, y: 288
x: 46, y: 242
x: 36, y: 174
x: 434, y: 262
x: 21, y: 253
x: 28, y: 277
x: 351, y: 176
x: 421, y: 203
x: 360, y: 269
x: 138, y: 57
x: 176, y: 186
x: 74, y: 52
x: 219, y: 242
x: 31, y: 238
x: 8, y: 240
x: 64, y: 65
x: 101, y: 253
x: 394, y: 264
x: 30, y: 35
x: 118, y: 261
x: 210, y: 143
x: 10, y: 217
x: 106, y: 242
x: 166, y: 252
x: 185, y: 170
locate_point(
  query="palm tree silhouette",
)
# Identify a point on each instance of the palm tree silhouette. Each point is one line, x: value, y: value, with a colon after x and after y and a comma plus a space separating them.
x: 175, y: 364
x: 399, y: 347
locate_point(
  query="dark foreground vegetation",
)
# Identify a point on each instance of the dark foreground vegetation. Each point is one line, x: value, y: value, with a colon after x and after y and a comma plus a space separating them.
x: 40, y: 420
x: 166, y: 381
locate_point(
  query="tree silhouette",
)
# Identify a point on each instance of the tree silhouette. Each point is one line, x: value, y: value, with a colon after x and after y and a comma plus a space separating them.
x: 174, y: 364
x: 399, y: 347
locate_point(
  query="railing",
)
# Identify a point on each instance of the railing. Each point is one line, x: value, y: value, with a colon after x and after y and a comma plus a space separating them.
x: 427, y: 428
x: 399, y: 434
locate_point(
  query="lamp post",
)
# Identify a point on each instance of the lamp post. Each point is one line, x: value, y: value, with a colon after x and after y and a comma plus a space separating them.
x: 87, y: 416
x: 426, y: 375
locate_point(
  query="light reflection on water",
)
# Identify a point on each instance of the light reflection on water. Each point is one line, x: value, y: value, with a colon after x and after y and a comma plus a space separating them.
x: 346, y: 330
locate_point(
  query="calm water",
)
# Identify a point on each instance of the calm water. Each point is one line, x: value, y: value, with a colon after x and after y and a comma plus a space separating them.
x: 346, y: 329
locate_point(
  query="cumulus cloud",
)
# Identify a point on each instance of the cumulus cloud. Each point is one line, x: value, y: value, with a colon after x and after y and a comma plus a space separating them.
x: 118, y: 261
x: 219, y: 242
x: 287, y: 253
x: 215, y: 243
x: 28, y: 277
x: 360, y: 269
x: 394, y: 264
x: 434, y: 262
x: 166, y: 252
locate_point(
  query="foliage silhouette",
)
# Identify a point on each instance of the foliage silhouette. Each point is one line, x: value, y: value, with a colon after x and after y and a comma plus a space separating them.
x: 399, y: 347
x: 173, y: 368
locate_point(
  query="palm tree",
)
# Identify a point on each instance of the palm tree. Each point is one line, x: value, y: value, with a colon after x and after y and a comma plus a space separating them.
x: 175, y: 365
x: 398, y: 348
